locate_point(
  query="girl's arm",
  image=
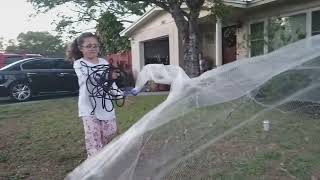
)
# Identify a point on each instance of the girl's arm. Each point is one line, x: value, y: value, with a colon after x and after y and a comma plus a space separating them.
x: 81, y: 74
x: 115, y: 89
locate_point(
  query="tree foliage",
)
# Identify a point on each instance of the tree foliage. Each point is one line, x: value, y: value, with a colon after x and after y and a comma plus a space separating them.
x: 108, y: 29
x: 39, y: 43
x: 1, y: 44
x: 88, y: 11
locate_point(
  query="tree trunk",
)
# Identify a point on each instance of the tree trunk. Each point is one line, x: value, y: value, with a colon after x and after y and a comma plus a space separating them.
x: 191, y: 50
x: 188, y: 31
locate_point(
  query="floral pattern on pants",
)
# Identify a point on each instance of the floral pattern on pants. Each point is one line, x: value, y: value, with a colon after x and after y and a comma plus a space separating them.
x: 98, y: 133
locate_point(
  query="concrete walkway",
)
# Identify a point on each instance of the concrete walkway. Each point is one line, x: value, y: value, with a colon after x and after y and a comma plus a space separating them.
x: 153, y: 93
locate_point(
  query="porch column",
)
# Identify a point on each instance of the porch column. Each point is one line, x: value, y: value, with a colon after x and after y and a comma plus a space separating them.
x: 309, y: 24
x: 218, y: 42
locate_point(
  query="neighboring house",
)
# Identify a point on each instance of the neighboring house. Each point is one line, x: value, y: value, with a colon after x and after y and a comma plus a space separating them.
x: 253, y: 28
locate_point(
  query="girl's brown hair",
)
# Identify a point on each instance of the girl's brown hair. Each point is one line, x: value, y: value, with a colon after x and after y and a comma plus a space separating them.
x: 73, y: 51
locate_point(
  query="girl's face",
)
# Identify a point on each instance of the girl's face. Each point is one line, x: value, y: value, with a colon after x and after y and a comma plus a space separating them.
x: 90, y: 48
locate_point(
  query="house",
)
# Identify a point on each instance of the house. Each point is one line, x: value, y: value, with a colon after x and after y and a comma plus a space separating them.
x: 252, y: 28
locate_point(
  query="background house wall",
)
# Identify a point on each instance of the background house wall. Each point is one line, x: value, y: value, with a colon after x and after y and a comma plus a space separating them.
x: 264, y: 12
x: 162, y: 25
x: 158, y: 27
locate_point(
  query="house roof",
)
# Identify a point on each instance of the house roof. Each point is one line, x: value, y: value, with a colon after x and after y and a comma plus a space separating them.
x: 254, y: 3
x: 145, y: 17
x: 156, y: 10
x: 247, y: 3
x: 238, y: 3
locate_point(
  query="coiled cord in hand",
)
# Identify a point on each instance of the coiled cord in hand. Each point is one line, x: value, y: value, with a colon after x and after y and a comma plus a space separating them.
x: 100, y: 86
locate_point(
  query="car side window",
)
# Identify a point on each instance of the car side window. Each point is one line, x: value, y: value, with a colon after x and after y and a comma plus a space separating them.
x: 15, y: 68
x: 62, y: 64
x: 38, y: 64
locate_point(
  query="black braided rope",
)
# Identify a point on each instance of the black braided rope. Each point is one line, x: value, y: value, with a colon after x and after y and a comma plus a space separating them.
x: 99, y: 84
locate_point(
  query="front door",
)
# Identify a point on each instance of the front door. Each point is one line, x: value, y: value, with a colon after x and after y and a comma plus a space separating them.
x: 229, y: 44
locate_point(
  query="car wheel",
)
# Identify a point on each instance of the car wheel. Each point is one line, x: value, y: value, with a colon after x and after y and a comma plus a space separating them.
x: 20, y: 91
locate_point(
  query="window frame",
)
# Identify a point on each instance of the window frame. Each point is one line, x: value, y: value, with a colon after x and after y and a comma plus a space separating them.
x: 264, y: 35
x: 303, y: 14
x: 318, y: 30
x: 309, y: 24
x: 34, y: 60
x: 56, y: 61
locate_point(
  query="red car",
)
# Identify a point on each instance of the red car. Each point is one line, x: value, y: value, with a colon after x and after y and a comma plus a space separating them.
x: 6, y: 58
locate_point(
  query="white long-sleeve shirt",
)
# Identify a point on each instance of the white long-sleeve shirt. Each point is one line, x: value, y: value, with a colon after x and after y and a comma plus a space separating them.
x: 85, y: 102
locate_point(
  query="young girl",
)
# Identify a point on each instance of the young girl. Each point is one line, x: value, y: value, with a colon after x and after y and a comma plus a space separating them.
x: 100, y: 126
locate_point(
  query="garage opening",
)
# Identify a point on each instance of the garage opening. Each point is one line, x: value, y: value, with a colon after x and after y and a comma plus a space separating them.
x: 157, y: 51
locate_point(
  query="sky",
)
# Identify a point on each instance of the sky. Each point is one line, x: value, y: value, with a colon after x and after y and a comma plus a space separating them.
x: 14, y: 19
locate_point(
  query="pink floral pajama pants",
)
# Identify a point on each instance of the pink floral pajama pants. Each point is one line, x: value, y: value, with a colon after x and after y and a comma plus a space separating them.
x: 98, y: 133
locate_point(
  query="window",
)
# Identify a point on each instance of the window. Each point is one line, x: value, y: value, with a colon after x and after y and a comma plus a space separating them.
x: 285, y: 30
x: 62, y: 64
x: 257, y: 39
x: 15, y: 67
x: 38, y: 64
x: 315, y: 23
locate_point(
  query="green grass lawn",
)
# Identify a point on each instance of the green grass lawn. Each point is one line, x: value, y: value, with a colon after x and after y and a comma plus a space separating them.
x: 44, y: 139
x: 235, y: 147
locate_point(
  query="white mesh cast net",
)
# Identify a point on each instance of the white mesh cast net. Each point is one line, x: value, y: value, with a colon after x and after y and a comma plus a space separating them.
x: 256, y: 118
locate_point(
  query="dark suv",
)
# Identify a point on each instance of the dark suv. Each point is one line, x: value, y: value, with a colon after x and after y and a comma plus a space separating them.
x: 25, y: 78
